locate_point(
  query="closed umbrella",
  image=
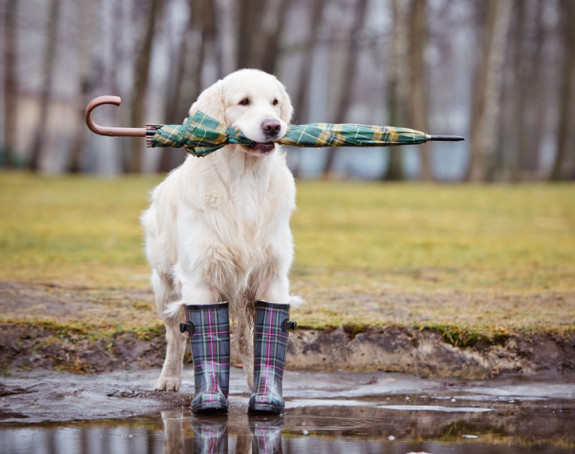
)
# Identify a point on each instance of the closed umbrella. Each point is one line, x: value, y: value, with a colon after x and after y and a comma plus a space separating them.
x: 201, y: 134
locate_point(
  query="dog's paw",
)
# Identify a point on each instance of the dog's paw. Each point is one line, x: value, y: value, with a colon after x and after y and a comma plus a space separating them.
x: 168, y: 384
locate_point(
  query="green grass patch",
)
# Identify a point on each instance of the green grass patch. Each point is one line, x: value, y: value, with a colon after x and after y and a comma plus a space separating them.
x: 466, y: 261
x: 463, y: 338
x: 65, y: 330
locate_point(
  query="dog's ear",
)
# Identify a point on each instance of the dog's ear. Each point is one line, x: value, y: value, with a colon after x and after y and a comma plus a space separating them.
x: 211, y: 102
x: 286, y: 110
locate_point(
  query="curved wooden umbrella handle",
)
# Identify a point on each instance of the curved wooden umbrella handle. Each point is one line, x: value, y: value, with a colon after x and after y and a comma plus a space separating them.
x: 110, y: 130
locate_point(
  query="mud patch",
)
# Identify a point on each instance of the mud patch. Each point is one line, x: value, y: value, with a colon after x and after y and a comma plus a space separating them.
x: 427, y: 354
x: 26, y: 346
x: 38, y: 346
x: 47, y: 326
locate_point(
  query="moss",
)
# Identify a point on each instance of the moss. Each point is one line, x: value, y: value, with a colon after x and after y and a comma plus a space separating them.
x: 58, y: 329
x: 146, y: 333
x: 463, y: 337
x: 353, y: 329
x: 63, y: 331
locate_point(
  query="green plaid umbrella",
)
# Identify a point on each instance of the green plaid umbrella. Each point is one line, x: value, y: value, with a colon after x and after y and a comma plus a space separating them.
x: 201, y: 135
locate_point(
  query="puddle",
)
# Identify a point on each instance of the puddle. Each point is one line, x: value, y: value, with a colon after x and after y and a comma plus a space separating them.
x: 330, y: 428
x: 435, y: 408
x: 325, y: 413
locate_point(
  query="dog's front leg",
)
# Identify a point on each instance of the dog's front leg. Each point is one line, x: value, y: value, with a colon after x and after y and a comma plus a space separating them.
x: 173, y: 314
x: 171, y: 376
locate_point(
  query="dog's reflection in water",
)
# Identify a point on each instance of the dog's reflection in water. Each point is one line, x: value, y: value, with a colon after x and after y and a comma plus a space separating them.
x: 173, y: 431
x: 210, y: 434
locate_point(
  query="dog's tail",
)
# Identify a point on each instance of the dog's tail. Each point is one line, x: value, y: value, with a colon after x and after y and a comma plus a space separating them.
x: 295, y: 300
x: 173, y: 311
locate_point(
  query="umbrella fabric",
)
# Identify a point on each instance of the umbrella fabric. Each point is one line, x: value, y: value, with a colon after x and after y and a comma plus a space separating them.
x: 201, y: 135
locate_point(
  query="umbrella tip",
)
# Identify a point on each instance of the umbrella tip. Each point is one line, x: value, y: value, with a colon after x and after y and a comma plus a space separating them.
x: 445, y: 138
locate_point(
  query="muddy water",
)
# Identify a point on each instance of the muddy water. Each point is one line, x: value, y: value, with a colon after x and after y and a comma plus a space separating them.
x: 326, y: 413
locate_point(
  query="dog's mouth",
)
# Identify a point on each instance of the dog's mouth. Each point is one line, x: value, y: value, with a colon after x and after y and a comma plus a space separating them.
x: 260, y: 147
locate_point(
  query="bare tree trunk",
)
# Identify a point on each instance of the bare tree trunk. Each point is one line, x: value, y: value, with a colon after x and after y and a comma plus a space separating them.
x: 274, y: 28
x: 519, y: 91
x: 397, y: 85
x: 141, y: 82
x: 174, y: 111
x: 250, y: 15
x: 537, y: 105
x: 418, y: 102
x: 567, y: 87
x: 204, y: 20
x: 187, y: 54
x: 349, y: 73
x: 485, y: 117
x: 302, y: 94
x: 51, y: 38
x: 195, y: 46
x: 116, y: 60
x: 86, y: 79
x: 10, y: 104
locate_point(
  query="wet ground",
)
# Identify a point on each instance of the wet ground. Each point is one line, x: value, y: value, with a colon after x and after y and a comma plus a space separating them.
x: 50, y: 412
x: 51, y: 326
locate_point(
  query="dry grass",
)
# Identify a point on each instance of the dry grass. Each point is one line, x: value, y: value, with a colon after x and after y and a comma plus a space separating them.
x: 477, y: 258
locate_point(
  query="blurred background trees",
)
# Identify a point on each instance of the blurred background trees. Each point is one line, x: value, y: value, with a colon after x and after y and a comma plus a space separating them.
x: 500, y: 72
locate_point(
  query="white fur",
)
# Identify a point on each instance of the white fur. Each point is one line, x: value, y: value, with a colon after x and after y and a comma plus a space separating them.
x: 217, y: 228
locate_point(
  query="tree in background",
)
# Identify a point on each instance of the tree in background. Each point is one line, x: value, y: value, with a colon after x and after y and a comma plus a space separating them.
x: 268, y: 48
x: 49, y: 57
x: 486, y: 108
x: 134, y: 160
x: 301, y: 98
x: 534, y: 118
x: 10, y: 88
x: 350, y: 67
x: 417, y: 90
x: 565, y: 130
x: 185, y: 82
x: 87, y: 75
x: 249, y: 18
x: 392, y: 52
x: 398, y: 89
x: 260, y: 24
x: 525, y: 100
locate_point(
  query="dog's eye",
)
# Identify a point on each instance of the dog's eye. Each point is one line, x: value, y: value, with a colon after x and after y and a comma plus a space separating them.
x: 244, y: 102
x: 275, y: 102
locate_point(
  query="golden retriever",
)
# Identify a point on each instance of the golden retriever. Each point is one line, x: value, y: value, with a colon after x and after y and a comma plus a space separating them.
x: 218, y: 228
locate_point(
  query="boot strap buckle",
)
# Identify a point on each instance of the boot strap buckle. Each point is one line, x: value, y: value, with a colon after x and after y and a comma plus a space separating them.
x: 288, y: 325
x: 189, y: 327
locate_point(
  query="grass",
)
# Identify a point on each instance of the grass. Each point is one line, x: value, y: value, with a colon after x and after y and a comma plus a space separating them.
x: 464, y: 260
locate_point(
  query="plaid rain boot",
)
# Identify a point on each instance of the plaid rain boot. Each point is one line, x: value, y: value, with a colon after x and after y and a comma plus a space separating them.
x: 266, y: 434
x: 270, y: 348
x: 209, y: 329
x: 210, y: 436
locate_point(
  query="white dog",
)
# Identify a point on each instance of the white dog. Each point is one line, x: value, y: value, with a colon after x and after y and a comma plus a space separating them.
x: 218, y: 227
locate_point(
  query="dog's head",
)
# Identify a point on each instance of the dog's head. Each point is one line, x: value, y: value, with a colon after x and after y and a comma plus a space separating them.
x: 253, y: 101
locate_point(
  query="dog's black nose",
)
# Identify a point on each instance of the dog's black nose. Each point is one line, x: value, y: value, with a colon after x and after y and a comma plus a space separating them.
x: 271, y: 127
